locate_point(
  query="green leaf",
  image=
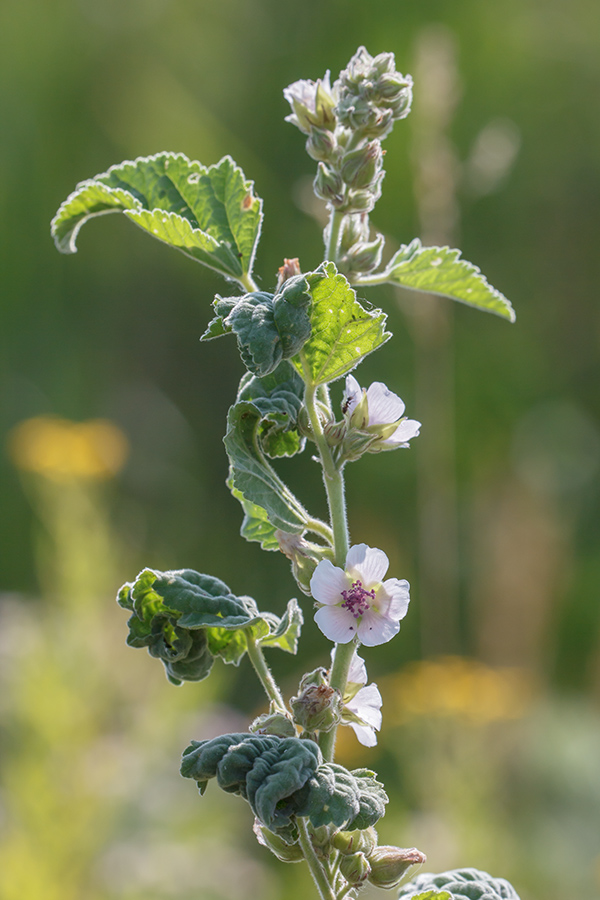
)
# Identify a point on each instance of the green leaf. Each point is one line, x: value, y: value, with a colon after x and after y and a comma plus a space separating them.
x: 278, y: 397
x: 372, y: 799
x: 269, y: 327
x: 186, y: 619
x: 264, y: 769
x: 458, y: 884
x: 330, y: 797
x: 440, y: 270
x: 256, y: 525
x: 210, y: 214
x: 343, y: 332
x: 286, y: 634
x: 253, y: 476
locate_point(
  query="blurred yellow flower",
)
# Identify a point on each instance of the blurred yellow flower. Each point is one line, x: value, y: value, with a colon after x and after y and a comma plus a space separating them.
x: 62, y: 450
x: 454, y: 686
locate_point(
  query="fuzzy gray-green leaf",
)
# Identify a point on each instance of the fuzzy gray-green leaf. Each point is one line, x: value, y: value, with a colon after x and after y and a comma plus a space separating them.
x: 210, y: 214
x: 440, y: 270
x: 459, y: 884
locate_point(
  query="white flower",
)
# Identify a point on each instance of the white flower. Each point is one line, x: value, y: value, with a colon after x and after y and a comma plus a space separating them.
x: 378, y: 406
x: 362, y: 703
x: 356, y: 602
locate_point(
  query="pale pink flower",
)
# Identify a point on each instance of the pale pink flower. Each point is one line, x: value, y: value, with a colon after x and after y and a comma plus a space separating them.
x: 356, y: 602
x: 378, y: 406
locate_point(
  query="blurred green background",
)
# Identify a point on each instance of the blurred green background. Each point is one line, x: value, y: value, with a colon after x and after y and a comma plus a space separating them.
x: 491, y: 735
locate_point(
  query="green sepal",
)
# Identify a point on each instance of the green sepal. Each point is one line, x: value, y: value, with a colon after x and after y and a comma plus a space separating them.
x: 253, y: 476
x: 343, y: 331
x: 210, y: 214
x: 269, y: 327
x: 458, y: 884
x: 440, y: 270
x: 265, y: 770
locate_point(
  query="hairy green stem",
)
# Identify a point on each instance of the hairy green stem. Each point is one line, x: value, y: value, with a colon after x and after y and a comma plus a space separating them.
x: 264, y: 673
x: 248, y: 282
x: 314, y: 864
x: 332, y: 247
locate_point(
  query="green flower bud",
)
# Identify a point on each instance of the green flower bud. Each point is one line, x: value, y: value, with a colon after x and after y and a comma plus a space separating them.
x: 313, y: 104
x: 355, y: 841
x: 318, y: 706
x: 328, y: 185
x: 303, y: 555
x: 380, y: 124
x: 364, y: 257
x: 360, y: 167
x: 355, y: 229
x: 355, y: 868
x: 390, y: 864
x: 321, y: 144
x: 283, y: 851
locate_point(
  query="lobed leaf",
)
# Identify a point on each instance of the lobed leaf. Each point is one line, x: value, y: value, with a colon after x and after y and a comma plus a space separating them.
x: 269, y: 327
x: 343, y: 332
x: 440, y: 270
x: 264, y: 769
x: 210, y: 214
x: 186, y: 619
x: 372, y: 799
x: 278, y: 397
x: 458, y: 884
x: 253, y: 476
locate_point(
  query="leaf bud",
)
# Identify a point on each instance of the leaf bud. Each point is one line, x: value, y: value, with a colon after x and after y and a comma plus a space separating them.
x: 321, y: 144
x: 328, y: 185
x: 390, y: 864
x: 282, y: 850
x: 365, y: 257
x: 360, y: 167
x: 355, y: 868
x: 357, y: 841
x: 318, y: 706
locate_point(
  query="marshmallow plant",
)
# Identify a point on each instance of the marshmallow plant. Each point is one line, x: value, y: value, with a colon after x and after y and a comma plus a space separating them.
x: 295, y: 340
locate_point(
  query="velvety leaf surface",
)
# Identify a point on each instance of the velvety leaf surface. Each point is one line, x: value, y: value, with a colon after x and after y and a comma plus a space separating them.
x: 285, y: 635
x: 253, y: 476
x: 269, y: 327
x: 278, y: 398
x: 264, y: 769
x: 440, y: 270
x: 460, y: 884
x: 210, y: 214
x: 372, y: 799
x: 343, y: 332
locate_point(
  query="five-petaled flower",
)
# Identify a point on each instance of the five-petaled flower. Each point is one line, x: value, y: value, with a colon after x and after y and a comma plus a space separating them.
x: 362, y: 703
x: 357, y: 603
x: 379, y: 410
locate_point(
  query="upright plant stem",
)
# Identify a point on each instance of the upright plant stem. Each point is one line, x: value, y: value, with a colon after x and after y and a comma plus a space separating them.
x: 332, y: 248
x: 264, y: 673
x: 314, y: 864
x: 333, y: 478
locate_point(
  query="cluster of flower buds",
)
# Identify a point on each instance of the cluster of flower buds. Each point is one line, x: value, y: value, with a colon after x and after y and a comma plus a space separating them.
x: 362, y: 860
x: 345, y: 124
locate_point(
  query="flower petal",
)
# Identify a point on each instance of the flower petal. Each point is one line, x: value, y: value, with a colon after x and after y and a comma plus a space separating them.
x: 328, y: 582
x: 352, y: 394
x: 365, y: 734
x: 399, y: 597
x: 375, y: 629
x: 357, y: 673
x: 406, y: 430
x: 385, y: 407
x: 367, y: 705
x: 369, y: 563
x: 337, y: 624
